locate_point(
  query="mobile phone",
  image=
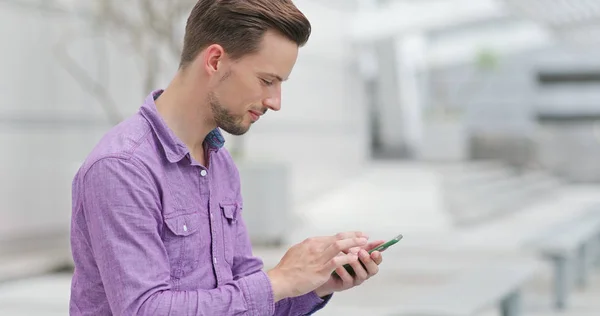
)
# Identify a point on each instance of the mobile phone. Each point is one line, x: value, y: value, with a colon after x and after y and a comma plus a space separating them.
x: 381, y: 247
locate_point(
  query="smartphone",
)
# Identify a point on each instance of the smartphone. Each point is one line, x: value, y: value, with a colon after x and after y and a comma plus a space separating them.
x: 381, y: 247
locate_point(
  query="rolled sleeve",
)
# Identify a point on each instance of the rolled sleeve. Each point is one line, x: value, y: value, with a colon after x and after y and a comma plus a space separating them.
x: 306, y: 304
x: 257, y: 289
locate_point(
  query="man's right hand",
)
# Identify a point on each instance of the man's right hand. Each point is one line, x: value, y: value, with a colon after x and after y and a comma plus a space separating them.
x: 309, y: 264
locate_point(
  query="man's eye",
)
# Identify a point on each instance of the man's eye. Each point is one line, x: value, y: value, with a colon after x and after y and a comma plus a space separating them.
x: 266, y: 82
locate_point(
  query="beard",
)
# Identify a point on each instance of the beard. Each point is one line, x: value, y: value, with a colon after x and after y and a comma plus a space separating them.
x: 232, y: 124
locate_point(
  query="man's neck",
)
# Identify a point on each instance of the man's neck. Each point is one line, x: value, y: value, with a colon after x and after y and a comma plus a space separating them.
x: 190, y: 120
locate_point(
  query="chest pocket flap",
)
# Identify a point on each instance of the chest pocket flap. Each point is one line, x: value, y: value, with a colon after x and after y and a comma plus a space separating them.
x: 185, y: 224
x: 230, y: 211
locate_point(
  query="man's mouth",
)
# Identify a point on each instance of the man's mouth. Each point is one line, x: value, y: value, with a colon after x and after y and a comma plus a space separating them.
x: 255, y: 115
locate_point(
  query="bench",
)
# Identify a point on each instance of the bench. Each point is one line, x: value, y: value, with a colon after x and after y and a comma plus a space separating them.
x: 475, y: 291
x: 572, y: 247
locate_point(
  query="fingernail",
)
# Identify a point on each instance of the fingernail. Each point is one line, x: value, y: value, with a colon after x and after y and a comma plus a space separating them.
x: 362, y: 241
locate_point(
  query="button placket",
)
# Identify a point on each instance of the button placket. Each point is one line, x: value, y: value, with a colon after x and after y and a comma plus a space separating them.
x: 213, y: 229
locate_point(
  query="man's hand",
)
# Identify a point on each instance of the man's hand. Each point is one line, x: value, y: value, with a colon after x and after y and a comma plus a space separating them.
x: 344, y: 281
x: 309, y: 264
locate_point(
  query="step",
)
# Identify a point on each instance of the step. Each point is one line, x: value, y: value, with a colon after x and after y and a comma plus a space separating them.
x: 26, y: 265
x: 501, y: 197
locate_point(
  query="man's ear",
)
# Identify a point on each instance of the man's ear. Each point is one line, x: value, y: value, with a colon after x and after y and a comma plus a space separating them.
x: 213, y: 57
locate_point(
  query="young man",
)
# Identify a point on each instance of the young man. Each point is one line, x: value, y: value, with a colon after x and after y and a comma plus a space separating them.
x: 156, y: 224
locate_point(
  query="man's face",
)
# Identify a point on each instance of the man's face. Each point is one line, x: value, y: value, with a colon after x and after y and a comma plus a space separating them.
x: 250, y: 86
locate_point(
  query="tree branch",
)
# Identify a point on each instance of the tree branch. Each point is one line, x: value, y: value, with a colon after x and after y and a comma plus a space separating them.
x: 86, y: 81
x: 147, y: 32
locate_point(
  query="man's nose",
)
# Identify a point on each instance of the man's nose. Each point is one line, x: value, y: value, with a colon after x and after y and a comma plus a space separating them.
x: 273, y: 102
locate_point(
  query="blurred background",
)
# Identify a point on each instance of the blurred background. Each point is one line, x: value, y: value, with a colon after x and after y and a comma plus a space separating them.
x: 472, y: 127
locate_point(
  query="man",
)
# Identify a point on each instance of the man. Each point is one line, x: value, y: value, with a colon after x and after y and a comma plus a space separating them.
x: 156, y: 224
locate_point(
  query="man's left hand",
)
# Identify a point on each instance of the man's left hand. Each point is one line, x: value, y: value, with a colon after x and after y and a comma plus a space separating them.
x: 344, y: 281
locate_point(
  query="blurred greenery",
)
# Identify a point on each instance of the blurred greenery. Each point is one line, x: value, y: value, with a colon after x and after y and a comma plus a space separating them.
x: 486, y: 59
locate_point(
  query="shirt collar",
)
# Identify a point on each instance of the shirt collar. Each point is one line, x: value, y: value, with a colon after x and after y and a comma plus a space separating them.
x: 174, y: 148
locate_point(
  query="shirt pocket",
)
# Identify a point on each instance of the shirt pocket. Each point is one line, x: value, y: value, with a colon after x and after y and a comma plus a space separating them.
x: 230, y: 211
x: 183, y: 242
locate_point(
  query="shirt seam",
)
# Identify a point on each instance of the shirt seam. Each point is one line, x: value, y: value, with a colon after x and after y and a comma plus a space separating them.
x: 117, y: 156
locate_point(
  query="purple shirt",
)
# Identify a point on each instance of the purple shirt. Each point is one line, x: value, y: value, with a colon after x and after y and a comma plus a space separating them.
x: 153, y: 232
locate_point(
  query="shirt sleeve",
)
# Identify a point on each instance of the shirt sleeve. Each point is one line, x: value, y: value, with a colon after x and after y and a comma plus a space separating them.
x: 121, y: 206
x: 245, y: 264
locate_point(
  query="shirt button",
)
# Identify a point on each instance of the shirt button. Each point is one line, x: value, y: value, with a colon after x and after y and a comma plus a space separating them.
x: 203, y: 173
x: 215, y: 260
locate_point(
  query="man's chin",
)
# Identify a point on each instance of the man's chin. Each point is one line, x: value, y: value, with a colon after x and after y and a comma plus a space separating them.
x: 236, y: 131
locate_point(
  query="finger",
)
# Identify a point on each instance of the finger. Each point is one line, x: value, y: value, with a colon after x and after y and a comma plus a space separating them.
x: 346, y: 235
x: 343, y: 245
x: 318, y: 243
x: 347, y: 279
x: 360, y: 274
x: 353, y: 250
x: 339, y: 261
x: 369, y: 263
x: 377, y: 257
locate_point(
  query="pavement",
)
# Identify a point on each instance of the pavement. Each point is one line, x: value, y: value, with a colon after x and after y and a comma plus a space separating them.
x: 385, y: 199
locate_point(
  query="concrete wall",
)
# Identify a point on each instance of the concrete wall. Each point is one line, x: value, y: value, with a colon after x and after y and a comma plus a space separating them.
x: 571, y: 149
x: 47, y: 124
x: 568, y: 138
x: 490, y: 100
x: 501, y: 108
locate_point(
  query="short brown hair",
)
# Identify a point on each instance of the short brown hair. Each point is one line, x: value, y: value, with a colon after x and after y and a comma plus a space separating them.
x: 239, y: 26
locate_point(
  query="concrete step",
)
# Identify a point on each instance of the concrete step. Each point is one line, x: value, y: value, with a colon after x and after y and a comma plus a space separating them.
x: 26, y: 265
x: 489, y: 197
x: 469, y: 177
x: 30, y: 255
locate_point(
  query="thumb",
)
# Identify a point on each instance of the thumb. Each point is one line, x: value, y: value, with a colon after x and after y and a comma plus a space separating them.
x: 373, y: 244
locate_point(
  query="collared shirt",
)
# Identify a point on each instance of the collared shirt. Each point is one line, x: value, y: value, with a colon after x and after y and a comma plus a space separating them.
x: 153, y: 232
